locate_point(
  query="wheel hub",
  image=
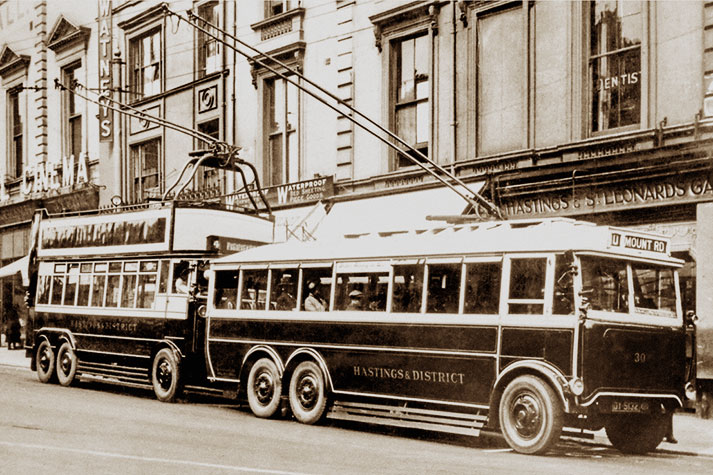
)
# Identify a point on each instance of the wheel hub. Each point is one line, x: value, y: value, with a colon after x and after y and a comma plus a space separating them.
x: 164, y: 374
x: 44, y: 361
x: 264, y: 388
x: 527, y: 415
x: 307, y: 392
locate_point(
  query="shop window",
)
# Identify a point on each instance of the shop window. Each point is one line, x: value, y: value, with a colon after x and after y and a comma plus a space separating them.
x: 407, y: 288
x: 208, y: 48
x: 615, y: 72
x: 502, y: 76
x: 443, y: 288
x: 527, y: 286
x: 72, y: 112
x: 16, y: 130
x: 411, y: 85
x: 282, y: 125
x: 482, y: 288
x: 145, y: 65
x: 254, y: 289
x: 146, y: 176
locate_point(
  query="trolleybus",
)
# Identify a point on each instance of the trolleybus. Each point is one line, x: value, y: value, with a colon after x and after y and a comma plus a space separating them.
x: 526, y: 327
x: 118, y: 292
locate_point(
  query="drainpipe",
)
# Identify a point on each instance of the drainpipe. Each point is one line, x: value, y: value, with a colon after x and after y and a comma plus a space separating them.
x: 454, y: 116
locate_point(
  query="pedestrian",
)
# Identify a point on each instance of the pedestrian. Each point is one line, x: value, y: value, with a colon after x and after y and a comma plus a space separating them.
x: 13, y: 330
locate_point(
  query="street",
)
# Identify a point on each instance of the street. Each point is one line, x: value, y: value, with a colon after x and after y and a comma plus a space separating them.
x: 97, y: 428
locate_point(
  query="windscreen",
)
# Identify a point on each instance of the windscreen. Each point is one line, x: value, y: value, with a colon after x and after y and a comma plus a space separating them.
x: 605, y: 282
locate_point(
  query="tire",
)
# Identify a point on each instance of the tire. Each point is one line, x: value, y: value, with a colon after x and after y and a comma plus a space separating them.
x: 531, y: 416
x: 166, y: 376
x: 635, y: 433
x: 66, y: 364
x: 45, y: 361
x: 264, y: 388
x: 308, y: 398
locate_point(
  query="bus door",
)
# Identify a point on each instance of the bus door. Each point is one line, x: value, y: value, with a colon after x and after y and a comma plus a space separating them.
x: 174, y: 291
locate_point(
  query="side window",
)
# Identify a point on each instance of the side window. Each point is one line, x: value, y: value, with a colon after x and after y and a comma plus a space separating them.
x: 163, y: 278
x: 563, y: 303
x: 527, y: 286
x: 283, y: 289
x: 146, y: 290
x: 605, y: 284
x: 316, y: 288
x: 482, y: 287
x: 113, y: 285
x: 58, y: 284
x: 43, y: 289
x: 85, y: 282
x: 254, y: 289
x: 129, y: 289
x: 443, y: 288
x: 99, y: 284
x: 226, y: 289
x: 181, y: 271
x: 362, y: 291
x: 70, y: 287
x: 407, y: 288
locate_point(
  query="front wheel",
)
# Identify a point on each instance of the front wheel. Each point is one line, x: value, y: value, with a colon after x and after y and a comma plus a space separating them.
x: 264, y: 388
x: 66, y: 364
x: 531, y: 416
x: 45, y: 361
x: 308, y: 398
x: 166, y: 376
x: 636, y: 433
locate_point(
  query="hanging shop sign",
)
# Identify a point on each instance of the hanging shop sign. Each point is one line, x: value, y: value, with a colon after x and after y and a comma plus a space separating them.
x: 54, y: 174
x: 106, y: 128
x: 672, y: 189
x: 301, y: 192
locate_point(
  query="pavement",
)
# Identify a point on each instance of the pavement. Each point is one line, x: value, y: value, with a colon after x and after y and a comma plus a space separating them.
x: 694, y: 435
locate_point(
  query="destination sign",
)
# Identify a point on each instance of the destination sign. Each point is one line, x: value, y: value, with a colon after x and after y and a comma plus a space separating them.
x: 639, y: 243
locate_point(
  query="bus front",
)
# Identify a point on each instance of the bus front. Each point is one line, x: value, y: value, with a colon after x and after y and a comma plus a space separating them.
x: 632, y: 361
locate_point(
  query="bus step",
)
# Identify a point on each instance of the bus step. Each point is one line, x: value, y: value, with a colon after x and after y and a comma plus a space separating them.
x: 100, y: 378
x: 440, y: 421
x: 137, y: 375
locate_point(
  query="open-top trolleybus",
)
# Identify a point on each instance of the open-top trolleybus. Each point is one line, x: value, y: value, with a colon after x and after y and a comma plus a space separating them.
x: 525, y: 327
x: 118, y: 292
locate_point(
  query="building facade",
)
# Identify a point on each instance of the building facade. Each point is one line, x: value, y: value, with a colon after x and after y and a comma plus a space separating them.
x: 598, y: 110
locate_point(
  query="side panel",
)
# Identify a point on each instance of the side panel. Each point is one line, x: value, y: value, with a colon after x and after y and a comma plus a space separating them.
x: 553, y: 346
x: 444, y: 362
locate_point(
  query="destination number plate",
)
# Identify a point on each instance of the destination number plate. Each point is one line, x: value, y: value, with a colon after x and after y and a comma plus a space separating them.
x: 630, y: 407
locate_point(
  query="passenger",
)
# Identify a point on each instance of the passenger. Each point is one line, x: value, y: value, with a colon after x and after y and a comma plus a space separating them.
x: 355, y: 297
x: 285, y: 301
x: 314, y: 302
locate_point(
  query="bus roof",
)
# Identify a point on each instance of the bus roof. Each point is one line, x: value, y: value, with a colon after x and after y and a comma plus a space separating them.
x: 555, y: 234
x: 161, y: 227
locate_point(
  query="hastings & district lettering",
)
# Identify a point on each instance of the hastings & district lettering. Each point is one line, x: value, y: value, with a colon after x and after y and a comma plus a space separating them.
x: 412, y: 375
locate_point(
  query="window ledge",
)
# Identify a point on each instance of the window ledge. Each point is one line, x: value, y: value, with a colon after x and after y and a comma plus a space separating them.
x: 279, y: 24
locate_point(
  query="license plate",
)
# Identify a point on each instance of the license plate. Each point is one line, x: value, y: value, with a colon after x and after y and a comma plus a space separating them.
x: 630, y: 407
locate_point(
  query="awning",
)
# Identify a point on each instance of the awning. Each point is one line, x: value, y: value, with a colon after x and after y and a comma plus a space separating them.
x: 392, y: 213
x: 20, y: 265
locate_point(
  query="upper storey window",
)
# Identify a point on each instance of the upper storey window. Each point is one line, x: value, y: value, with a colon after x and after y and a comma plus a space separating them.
x: 412, y: 87
x: 616, y: 31
x: 208, y: 48
x: 276, y: 7
x: 16, y: 131
x: 145, y: 61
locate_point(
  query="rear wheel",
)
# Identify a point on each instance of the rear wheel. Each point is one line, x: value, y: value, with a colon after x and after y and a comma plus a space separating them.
x: 636, y: 433
x: 531, y: 416
x: 166, y: 376
x: 66, y: 364
x: 308, y: 398
x: 45, y: 361
x: 264, y: 388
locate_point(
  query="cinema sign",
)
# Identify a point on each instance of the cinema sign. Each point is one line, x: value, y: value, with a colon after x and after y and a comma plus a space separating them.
x: 54, y: 174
